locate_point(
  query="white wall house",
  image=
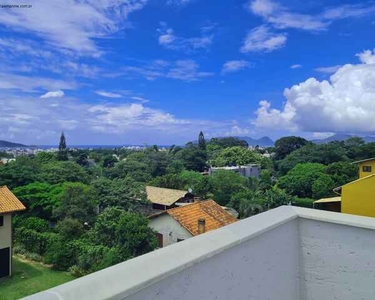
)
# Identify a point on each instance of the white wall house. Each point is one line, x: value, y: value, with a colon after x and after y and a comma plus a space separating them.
x: 8, y: 204
x: 180, y: 223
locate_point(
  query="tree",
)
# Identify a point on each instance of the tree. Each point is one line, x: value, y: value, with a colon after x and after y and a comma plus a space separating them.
x: 21, y: 172
x: 299, y: 181
x: 227, y: 142
x: 63, y: 171
x: 109, y: 161
x: 40, y: 198
x: 125, y: 193
x: 225, y: 184
x: 323, y: 187
x: 199, y: 184
x: 63, y: 152
x: 193, y: 158
x: 236, y: 156
x: 287, y: 145
x: 134, y: 236
x: 247, y: 203
x: 77, y: 201
x: 201, y: 142
x: 70, y: 229
x: 312, y: 153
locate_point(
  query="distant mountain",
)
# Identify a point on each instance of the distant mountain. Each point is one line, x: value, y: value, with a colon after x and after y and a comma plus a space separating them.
x: 342, y: 137
x: 5, y: 144
x: 262, y: 142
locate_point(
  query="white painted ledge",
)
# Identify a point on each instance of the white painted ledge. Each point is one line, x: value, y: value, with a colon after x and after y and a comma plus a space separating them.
x: 128, y: 279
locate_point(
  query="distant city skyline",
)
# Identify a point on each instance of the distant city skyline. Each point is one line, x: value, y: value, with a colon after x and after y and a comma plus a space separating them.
x: 160, y: 71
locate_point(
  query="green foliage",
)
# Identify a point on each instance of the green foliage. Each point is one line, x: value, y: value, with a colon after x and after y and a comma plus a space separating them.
x: 77, y: 201
x: 342, y: 172
x: 247, y: 203
x: 303, y: 202
x: 236, y: 156
x: 201, y: 142
x: 193, y: 158
x: 32, y: 240
x: 201, y: 185
x: 32, y: 223
x: 39, y: 198
x: 225, y: 184
x: 228, y: 142
x: 63, y: 171
x: 299, y: 181
x: 287, y: 145
x: 21, y: 172
x: 70, y: 229
x: 323, y: 187
x: 322, y: 154
x: 62, y: 154
x: 125, y: 193
x: 62, y: 254
x: 137, y: 170
x: 169, y: 181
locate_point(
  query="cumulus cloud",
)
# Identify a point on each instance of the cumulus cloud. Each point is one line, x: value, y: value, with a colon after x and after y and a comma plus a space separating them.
x: 296, y: 66
x: 108, y: 94
x: 169, y: 40
x: 263, y: 39
x: 235, y: 66
x: 53, y: 94
x: 345, y: 103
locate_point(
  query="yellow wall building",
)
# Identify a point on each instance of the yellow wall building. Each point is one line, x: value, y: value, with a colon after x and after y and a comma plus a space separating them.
x: 357, y: 197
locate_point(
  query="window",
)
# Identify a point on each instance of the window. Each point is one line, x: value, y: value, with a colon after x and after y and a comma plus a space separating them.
x: 367, y: 169
x: 1, y: 221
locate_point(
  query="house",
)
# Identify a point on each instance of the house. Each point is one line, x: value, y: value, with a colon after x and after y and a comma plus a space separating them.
x: 8, y: 205
x: 163, y: 198
x: 180, y: 223
x: 246, y: 171
x: 356, y: 197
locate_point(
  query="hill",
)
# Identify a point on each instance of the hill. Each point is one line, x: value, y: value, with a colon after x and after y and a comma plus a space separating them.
x: 342, y: 137
x: 5, y: 144
x: 262, y: 142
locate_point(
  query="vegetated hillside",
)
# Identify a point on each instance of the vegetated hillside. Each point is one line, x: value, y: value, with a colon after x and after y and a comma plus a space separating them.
x: 263, y: 142
x: 5, y: 144
x: 342, y: 137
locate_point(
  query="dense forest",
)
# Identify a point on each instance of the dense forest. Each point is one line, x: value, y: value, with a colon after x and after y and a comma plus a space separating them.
x: 82, y: 205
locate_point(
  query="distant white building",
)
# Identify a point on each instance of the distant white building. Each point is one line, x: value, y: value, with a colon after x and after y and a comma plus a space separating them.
x: 248, y: 171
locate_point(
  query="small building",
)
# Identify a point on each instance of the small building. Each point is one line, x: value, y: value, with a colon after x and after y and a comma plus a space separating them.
x: 180, y: 223
x: 163, y: 198
x: 247, y: 171
x: 356, y: 197
x: 8, y: 205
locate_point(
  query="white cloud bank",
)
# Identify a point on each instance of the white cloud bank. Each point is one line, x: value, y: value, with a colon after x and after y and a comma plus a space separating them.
x: 345, y: 103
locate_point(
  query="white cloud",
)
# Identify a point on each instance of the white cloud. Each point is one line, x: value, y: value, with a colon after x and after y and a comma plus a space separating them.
x: 345, y: 103
x: 178, y: 2
x: 328, y: 70
x: 27, y: 83
x: 235, y: 66
x: 53, y: 94
x: 71, y: 25
x: 186, y: 70
x: 281, y: 17
x: 367, y: 57
x: 169, y: 40
x: 262, y: 39
x: 296, y: 66
x: 108, y: 94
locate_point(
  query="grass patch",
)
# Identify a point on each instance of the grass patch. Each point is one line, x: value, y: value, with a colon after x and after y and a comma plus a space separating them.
x: 29, y: 278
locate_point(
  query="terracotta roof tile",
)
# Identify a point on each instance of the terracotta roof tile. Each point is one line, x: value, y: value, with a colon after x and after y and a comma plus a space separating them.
x: 214, y: 215
x: 9, y: 202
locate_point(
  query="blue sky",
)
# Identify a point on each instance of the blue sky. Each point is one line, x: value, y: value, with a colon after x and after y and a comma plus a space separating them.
x: 159, y: 71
